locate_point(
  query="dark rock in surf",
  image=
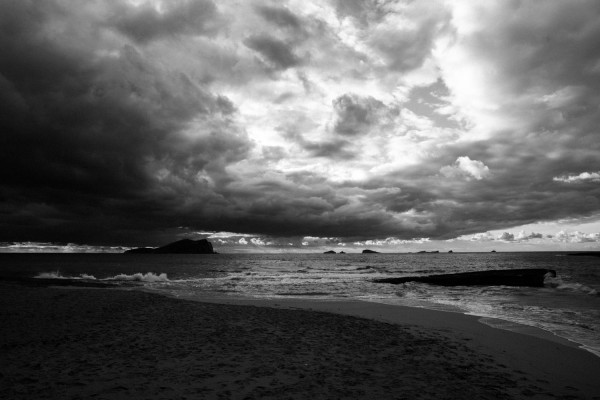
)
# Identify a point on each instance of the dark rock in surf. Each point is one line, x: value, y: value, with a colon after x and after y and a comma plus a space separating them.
x: 329, y: 252
x: 586, y: 254
x: 508, y: 277
x: 184, y: 246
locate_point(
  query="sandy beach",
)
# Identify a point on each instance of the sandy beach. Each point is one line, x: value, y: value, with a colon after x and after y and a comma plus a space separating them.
x: 71, y: 343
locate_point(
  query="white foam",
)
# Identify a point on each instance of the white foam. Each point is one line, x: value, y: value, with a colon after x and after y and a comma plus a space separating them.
x: 51, y: 275
x: 139, y: 277
x: 147, y: 277
x: 558, y: 283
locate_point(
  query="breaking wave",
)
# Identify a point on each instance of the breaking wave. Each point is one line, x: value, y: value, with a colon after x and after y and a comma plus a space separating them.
x: 558, y: 283
x: 138, y: 277
x: 147, y: 277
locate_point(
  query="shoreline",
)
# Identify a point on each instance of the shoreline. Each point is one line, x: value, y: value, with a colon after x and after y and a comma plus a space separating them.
x: 325, y: 305
x: 61, y: 343
x: 458, y: 321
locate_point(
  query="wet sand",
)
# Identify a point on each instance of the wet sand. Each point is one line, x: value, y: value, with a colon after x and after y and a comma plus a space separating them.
x: 62, y: 343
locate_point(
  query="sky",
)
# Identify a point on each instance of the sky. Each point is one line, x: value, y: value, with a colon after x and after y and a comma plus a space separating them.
x: 300, y: 125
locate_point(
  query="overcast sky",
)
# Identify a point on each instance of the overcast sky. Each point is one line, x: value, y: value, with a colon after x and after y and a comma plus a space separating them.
x: 269, y: 125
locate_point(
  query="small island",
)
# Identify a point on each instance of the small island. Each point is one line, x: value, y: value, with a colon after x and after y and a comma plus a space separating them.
x: 184, y: 246
x: 367, y: 251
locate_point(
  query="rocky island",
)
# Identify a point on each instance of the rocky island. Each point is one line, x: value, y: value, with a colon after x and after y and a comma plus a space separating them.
x: 184, y: 246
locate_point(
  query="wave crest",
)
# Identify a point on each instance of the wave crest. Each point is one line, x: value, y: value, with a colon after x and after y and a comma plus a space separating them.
x: 147, y: 277
x: 558, y: 283
x: 53, y: 275
x: 138, y: 277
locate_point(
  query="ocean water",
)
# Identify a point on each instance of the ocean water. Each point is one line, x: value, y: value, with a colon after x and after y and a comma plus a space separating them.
x: 568, y: 305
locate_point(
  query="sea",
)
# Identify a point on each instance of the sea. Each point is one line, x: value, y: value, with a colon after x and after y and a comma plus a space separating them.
x: 568, y: 305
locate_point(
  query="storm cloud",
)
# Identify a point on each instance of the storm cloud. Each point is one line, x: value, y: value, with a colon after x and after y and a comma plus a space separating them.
x: 146, y: 22
x: 275, y: 51
x: 326, y: 123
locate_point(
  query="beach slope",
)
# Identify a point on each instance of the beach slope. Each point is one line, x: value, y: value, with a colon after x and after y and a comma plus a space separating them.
x: 61, y: 343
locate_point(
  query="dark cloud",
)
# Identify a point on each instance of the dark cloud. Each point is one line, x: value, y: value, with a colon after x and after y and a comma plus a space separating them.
x: 330, y: 148
x: 402, y: 36
x: 405, y: 51
x: 519, y: 189
x: 100, y: 141
x: 355, y: 114
x: 280, y: 16
x: 145, y: 22
x: 363, y: 11
x: 334, y: 149
x: 277, y: 52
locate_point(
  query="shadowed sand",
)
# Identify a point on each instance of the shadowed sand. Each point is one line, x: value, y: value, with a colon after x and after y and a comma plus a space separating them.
x: 114, y: 344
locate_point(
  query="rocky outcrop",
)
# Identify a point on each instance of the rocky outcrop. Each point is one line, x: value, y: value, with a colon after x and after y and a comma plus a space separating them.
x: 586, y: 254
x: 329, y: 252
x: 184, y: 246
x: 367, y: 251
x: 507, y: 277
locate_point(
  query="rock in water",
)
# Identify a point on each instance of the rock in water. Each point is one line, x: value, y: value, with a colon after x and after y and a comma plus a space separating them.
x: 507, y: 277
x: 184, y: 246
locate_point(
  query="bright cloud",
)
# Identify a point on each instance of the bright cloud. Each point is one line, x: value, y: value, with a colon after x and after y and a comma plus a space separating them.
x: 582, y: 177
x: 466, y: 168
x: 577, y: 237
x: 508, y: 237
x: 391, y: 241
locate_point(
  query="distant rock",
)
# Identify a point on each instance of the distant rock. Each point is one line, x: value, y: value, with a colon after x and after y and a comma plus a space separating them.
x: 450, y: 251
x: 342, y: 252
x: 367, y: 251
x: 184, y: 246
x: 329, y: 252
